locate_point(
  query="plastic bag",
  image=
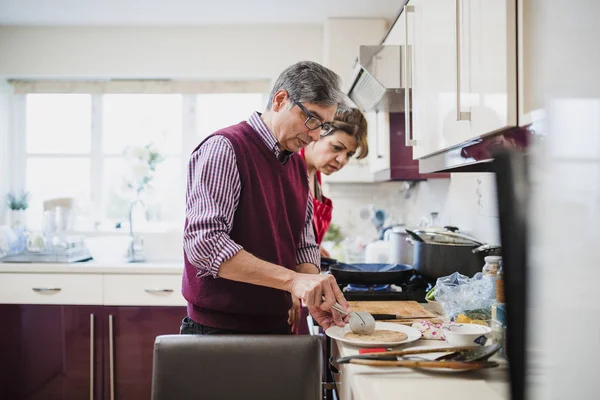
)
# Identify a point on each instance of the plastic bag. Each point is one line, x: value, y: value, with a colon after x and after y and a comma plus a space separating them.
x: 459, y: 294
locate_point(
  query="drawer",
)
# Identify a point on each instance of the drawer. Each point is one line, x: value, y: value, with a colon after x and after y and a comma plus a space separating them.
x: 142, y: 290
x: 30, y: 288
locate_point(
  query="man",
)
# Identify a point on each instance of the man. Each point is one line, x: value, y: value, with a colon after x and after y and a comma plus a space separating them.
x: 249, y: 245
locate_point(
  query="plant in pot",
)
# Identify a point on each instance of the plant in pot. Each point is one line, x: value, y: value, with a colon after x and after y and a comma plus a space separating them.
x: 17, y: 203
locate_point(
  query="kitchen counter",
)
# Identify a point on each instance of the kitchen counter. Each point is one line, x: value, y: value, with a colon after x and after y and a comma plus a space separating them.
x: 361, y: 382
x: 95, y: 267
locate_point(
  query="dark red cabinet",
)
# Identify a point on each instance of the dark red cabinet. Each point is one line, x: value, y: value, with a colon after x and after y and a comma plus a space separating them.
x: 133, y: 330
x: 56, y: 352
x: 402, y: 165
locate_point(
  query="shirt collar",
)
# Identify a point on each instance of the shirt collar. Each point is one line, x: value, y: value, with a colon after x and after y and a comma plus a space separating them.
x: 256, y: 122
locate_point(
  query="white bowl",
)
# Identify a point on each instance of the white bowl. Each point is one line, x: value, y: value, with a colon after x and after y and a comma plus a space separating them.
x: 466, y: 334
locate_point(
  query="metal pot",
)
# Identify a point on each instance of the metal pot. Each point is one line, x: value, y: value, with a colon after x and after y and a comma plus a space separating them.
x: 443, y: 253
x: 401, y: 252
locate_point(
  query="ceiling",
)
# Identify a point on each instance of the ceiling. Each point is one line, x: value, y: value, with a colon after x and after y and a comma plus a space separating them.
x: 189, y: 12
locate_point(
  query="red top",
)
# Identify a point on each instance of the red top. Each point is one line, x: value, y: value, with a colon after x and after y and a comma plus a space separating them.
x: 322, y: 211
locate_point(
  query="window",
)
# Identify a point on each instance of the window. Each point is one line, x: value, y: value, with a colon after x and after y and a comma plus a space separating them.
x: 74, y: 146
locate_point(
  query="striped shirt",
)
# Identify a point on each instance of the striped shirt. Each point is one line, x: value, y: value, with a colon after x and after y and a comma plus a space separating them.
x: 212, y: 196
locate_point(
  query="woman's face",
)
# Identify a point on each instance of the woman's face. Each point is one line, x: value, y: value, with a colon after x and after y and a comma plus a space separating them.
x: 332, y: 152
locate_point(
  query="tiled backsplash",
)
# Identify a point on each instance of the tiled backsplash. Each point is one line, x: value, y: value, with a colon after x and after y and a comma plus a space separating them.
x: 467, y: 200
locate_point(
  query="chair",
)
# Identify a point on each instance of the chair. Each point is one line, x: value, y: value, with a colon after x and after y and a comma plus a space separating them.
x: 237, y: 367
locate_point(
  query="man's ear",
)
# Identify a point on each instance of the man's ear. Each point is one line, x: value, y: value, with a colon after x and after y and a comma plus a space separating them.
x: 280, y: 99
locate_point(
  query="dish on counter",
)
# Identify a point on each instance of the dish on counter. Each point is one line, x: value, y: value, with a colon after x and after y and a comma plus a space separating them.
x: 338, y: 333
x: 466, y: 334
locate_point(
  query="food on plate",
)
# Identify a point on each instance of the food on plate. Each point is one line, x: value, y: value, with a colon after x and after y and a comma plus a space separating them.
x: 380, y: 335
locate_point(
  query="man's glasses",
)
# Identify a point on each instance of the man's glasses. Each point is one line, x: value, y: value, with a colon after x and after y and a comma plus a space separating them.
x: 313, y: 122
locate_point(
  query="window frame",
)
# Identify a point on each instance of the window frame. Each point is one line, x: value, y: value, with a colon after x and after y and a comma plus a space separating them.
x: 18, y: 141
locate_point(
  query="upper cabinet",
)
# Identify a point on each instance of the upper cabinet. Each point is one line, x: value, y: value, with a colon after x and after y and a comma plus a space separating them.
x: 461, y: 67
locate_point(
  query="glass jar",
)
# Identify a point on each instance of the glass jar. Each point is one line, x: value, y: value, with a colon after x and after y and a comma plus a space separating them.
x: 492, y: 265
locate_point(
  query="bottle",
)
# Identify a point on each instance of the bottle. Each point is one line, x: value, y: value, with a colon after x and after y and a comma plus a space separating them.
x: 490, y: 271
x: 500, y: 285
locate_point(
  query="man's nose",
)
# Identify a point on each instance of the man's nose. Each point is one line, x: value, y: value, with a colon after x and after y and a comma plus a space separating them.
x: 315, y: 135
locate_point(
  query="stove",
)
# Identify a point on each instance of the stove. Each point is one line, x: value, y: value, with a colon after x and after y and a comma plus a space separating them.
x: 415, y: 290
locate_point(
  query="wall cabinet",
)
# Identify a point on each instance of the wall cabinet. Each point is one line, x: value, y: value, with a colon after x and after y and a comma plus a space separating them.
x: 461, y: 68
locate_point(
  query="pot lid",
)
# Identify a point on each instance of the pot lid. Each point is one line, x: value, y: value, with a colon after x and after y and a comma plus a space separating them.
x: 447, y: 236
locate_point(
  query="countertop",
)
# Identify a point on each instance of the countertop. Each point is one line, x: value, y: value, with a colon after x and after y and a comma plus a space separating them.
x: 96, y: 267
x: 361, y: 382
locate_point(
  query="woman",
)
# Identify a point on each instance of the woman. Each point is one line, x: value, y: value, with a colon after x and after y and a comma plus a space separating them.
x: 328, y: 155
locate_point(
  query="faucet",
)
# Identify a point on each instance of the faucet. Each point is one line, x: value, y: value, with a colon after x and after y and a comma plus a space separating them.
x: 135, y: 252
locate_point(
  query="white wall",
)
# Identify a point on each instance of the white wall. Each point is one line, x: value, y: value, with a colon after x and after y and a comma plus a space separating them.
x: 212, y: 52
x: 466, y: 200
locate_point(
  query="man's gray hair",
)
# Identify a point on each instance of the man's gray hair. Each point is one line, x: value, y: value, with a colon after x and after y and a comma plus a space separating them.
x: 308, y: 81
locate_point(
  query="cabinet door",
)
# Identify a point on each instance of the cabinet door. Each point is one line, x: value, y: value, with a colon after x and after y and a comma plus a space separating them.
x: 434, y: 77
x: 379, y: 141
x: 489, y: 39
x: 50, y: 352
x: 129, y: 344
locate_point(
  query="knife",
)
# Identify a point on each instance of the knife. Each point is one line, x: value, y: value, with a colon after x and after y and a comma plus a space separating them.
x: 383, y: 317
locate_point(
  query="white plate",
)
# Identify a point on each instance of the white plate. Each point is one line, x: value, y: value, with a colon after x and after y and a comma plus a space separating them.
x: 337, y: 333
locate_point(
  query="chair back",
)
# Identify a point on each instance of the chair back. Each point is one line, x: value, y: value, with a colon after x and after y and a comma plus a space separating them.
x: 237, y: 367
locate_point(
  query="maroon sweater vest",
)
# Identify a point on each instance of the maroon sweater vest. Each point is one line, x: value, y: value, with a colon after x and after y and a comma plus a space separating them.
x: 268, y: 223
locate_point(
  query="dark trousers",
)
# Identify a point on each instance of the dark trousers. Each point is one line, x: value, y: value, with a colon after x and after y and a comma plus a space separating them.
x: 190, y: 327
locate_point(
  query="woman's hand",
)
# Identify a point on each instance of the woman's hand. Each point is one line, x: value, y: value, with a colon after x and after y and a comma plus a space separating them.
x: 294, y: 314
x: 324, y: 252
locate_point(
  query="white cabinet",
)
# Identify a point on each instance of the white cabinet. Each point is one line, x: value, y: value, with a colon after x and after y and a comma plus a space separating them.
x: 462, y: 70
x: 489, y: 32
x: 379, y: 141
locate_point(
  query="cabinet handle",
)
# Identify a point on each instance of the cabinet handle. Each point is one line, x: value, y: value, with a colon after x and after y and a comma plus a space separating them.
x: 408, y: 140
x: 154, y: 291
x: 46, y: 290
x: 460, y: 116
x: 91, y: 356
x: 111, y: 357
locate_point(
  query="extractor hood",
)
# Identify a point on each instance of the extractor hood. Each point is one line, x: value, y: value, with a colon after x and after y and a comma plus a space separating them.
x: 376, y: 83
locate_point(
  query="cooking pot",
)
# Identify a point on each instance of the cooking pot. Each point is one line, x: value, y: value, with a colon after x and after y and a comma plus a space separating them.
x: 369, y: 273
x: 445, y: 251
x: 401, y: 252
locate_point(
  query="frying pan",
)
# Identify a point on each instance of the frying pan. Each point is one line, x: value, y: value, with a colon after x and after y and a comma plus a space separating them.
x: 370, y: 274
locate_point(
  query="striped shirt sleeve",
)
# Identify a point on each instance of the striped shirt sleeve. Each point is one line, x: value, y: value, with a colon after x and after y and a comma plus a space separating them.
x: 213, y: 194
x: 308, y: 250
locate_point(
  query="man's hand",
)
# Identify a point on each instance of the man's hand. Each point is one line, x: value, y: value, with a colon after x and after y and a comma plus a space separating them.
x: 294, y: 314
x: 319, y: 291
x: 326, y: 319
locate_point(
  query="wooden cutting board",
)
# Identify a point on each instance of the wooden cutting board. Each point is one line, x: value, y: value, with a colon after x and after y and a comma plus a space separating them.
x: 407, y: 308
